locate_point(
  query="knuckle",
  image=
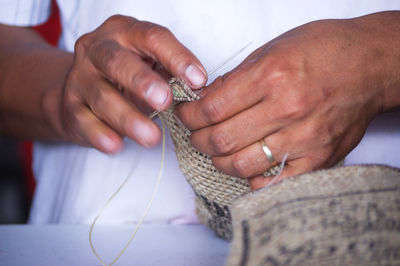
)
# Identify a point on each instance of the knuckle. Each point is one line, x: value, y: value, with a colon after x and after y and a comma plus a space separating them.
x: 70, y: 99
x: 81, y: 43
x: 213, y: 111
x: 285, y: 75
x: 295, y: 108
x: 277, y: 70
x: 241, y: 165
x: 71, y: 113
x: 140, y: 82
x: 115, y: 22
x: 221, y: 142
x: 155, y: 37
x: 115, y: 18
x: 100, y: 97
x: 72, y: 119
x: 67, y: 107
x: 155, y: 34
x: 110, y: 58
x: 186, y: 116
x: 178, y: 60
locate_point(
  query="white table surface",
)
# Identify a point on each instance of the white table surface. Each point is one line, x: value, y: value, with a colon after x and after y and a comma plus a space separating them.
x: 69, y: 245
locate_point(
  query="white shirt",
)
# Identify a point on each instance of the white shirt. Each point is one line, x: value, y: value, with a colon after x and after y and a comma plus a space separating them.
x: 74, y: 182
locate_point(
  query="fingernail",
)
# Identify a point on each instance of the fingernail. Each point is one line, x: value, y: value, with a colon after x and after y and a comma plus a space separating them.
x: 143, y: 133
x: 107, y: 143
x: 157, y: 94
x: 195, y: 76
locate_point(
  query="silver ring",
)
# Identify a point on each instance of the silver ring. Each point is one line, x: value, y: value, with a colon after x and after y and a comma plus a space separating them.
x: 268, y: 153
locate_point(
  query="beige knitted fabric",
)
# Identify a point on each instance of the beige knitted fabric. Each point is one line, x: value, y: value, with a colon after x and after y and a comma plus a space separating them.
x: 343, y: 216
x: 214, y: 190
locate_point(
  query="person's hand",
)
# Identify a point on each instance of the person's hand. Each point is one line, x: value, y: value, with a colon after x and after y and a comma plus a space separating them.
x: 310, y: 93
x: 116, y: 76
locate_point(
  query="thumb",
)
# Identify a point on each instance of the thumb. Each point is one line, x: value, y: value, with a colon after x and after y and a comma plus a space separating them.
x: 161, y: 45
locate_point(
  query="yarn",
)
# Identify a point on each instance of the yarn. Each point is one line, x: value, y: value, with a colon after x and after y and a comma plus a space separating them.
x: 144, y: 213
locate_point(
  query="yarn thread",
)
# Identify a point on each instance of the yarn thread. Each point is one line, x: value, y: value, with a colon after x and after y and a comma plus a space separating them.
x: 144, y: 213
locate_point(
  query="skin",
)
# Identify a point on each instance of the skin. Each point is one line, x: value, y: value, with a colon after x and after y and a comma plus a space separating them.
x: 98, y: 94
x: 310, y: 92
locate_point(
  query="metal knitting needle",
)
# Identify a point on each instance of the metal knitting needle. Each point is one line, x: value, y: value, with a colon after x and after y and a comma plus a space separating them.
x: 229, y: 59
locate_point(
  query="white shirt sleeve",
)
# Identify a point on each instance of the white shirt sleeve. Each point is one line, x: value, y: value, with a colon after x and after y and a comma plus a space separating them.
x: 24, y: 12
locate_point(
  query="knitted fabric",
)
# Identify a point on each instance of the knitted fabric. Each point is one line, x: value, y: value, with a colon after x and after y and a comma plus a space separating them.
x: 214, y: 190
x: 340, y: 216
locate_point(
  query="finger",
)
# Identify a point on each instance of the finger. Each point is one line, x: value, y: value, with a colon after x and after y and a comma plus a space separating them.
x: 89, y: 130
x: 252, y: 160
x: 234, y: 95
x: 159, y: 43
x: 212, y: 87
x: 162, y: 72
x: 142, y: 106
x: 135, y: 76
x: 239, y: 131
x: 294, y: 167
x: 109, y: 106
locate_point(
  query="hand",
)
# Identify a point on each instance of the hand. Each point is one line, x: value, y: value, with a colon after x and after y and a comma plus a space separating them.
x: 310, y: 93
x: 116, y: 76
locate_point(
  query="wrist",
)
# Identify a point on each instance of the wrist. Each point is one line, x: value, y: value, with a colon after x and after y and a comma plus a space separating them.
x: 380, y: 31
x: 52, y: 99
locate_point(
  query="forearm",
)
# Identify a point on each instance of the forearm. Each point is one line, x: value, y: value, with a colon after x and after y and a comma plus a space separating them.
x: 381, y: 33
x: 31, y: 82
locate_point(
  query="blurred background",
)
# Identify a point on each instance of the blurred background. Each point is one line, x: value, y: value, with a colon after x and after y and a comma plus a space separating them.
x: 16, y: 179
x: 15, y: 194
